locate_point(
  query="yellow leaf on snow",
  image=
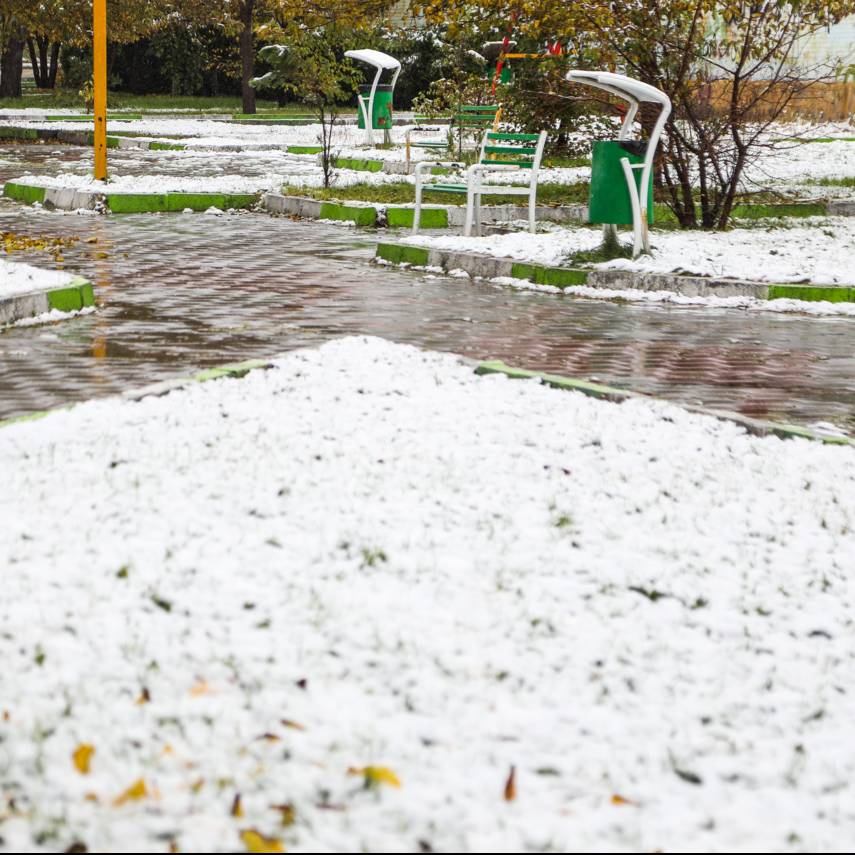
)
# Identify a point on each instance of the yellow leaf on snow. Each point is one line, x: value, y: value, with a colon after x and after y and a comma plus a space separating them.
x: 620, y: 800
x: 82, y: 757
x: 237, y: 806
x: 511, y: 785
x: 257, y: 842
x: 134, y: 793
x: 376, y: 775
x: 201, y: 688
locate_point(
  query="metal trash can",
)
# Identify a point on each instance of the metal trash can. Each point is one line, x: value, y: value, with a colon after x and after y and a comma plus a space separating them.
x: 382, y: 114
x: 609, y: 200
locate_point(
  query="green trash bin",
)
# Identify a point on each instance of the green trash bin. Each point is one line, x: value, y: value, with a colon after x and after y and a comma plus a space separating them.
x: 609, y: 200
x: 382, y: 116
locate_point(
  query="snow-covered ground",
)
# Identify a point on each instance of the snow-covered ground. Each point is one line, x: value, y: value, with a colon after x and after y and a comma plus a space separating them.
x: 818, y: 250
x: 17, y: 278
x: 233, y: 606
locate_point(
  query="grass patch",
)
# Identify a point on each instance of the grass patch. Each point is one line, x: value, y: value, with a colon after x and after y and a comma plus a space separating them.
x: 403, y: 193
x: 848, y: 181
x: 68, y: 98
x: 610, y: 248
x: 565, y: 162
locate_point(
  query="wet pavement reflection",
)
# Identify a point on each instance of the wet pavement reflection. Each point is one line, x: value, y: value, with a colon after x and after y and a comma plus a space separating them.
x: 177, y: 292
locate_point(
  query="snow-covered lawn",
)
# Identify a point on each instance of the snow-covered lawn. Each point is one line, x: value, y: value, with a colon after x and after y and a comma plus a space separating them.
x: 240, y: 603
x: 17, y: 278
x: 818, y: 250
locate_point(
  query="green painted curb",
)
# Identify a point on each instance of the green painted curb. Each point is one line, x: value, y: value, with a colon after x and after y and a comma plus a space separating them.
x: 361, y: 215
x: 398, y: 254
x: 358, y: 164
x: 146, y: 203
x: 304, y: 149
x: 162, y: 146
x: 593, y: 390
x: 432, y: 218
x: 235, y: 370
x: 24, y: 192
x: 78, y: 295
x: 812, y: 293
x: 558, y: 277
x: 610, y: 393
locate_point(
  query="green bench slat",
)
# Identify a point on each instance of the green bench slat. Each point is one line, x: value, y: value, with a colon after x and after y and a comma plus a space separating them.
x: 519, y: 137
x: 429, y: 144
x: 479, y: 108
x: 446, y: 188
x: 509, y: 149
x: 521, y: 165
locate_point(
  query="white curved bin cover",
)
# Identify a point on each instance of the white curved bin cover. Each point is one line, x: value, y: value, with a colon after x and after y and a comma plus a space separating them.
x: 374, y: 57
x: 632, y: 87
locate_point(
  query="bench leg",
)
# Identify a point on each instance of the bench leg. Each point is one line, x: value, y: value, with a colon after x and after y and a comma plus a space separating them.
x: 470, y: 205
x: 532, y: 213
x: 478, y: 214
x: 417, y: 211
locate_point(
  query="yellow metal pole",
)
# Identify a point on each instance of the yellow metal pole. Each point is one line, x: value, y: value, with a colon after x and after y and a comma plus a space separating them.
x: 99, y: 75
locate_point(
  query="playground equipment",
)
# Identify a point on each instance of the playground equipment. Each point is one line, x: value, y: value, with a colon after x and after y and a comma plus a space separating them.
x: 469, y: 118
x: 375, y: 99
x: 634, y: 158
x: 522, y: 152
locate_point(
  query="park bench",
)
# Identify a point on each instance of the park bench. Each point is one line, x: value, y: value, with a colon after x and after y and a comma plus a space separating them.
x: 470, y: 118
x: 500, y: 153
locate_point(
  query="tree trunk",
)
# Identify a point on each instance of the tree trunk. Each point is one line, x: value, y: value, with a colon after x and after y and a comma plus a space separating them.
x: 11, y: 65
x: 247, y: 57
x: 44, y: 57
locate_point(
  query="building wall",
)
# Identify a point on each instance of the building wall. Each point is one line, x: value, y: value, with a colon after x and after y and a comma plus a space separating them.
x: 835, y: 44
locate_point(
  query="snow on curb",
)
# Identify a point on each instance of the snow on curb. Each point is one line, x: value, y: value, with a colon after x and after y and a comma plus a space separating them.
x: 611, y: 281
x: 811, y: 250
x: 369, y: 567
x: 29, y: 292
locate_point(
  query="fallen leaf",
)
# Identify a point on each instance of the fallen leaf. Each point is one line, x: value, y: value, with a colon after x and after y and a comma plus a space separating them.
x: 287, y: 812
x: 257, y: 842
x: 82, y: 757
x: 134, y: 793
x: 620, y: 800
x: 201, y: 688
x: 374, y: 776
x: 237, y: 807
x: 269, y: 737
x: 144, y: 698
x: 511, y: 785
x: 292, y: 724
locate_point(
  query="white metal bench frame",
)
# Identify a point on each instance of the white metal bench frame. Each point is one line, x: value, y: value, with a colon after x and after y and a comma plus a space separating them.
x: 477, y: 183
x: 633, y: 92
x: 382, y: 62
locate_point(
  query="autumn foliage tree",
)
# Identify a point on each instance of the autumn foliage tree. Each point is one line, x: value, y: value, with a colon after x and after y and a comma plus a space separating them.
x: 730, y: 67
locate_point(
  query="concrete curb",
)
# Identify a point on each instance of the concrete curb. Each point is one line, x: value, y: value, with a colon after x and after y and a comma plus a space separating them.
x: 483, y: 266
x: 236, y: 370
x: 757, y: 427
x: 71, y: 199
x: 401, y: 216
x: 132, y: 140
x: 78, y: 294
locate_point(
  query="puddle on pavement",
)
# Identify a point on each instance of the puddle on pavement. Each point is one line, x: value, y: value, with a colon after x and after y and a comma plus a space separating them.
x: 179, y: 292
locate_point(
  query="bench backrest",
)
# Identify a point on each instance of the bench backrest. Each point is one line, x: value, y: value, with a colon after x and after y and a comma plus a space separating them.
x: 478, y: 116
x: 523, y: 150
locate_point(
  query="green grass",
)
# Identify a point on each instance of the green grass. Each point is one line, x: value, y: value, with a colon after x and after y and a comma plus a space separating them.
x: 402, y: 193
x: 849, y: 181
x: 68, y: 98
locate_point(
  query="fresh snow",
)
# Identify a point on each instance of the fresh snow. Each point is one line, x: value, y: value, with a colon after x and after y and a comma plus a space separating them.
x: 17, y: 278
x: 818, y: 250
x: 370, y: 557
